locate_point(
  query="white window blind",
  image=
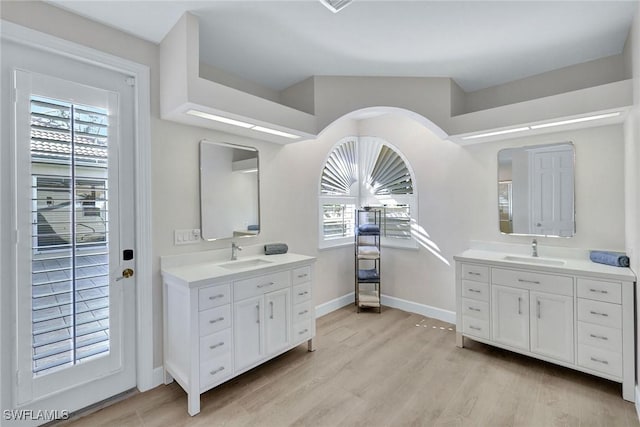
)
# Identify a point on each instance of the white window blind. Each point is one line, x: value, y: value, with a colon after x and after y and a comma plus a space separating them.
x: 70, y: 274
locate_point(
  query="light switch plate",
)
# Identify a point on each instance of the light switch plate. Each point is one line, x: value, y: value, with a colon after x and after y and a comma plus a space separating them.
x: 186, y: 237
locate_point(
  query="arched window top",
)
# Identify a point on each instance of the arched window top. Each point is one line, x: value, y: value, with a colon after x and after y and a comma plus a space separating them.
x: 382, y: 169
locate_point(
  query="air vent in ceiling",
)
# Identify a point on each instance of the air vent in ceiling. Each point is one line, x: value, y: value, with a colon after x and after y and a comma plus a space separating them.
x: 336, y: 5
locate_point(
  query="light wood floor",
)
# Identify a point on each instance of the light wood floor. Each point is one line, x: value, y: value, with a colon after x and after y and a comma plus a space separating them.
x: 389, y: 369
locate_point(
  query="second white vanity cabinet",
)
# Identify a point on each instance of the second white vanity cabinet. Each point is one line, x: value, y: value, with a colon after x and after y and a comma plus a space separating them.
x: 572, y: 312
x: 222, y: 319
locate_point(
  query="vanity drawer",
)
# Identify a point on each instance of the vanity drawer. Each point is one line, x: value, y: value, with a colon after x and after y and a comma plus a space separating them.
x: 215, y: 370
x: 301, y: 275
x: 600, y: 360
x: 214, y: 296
x: 215, y: 344
x: 600, y: 336
x: 302, y: 311
x: 475, y: 290
x: 477, y: 273
x: 600, y: 313
x: 477, y: 309
x: 559, y: 285
x: 254, y: 286
x: 301, y: 293
x: 302, y: 331
x: 215, y: 319
x: 600, y: 290
x: 476, y: 327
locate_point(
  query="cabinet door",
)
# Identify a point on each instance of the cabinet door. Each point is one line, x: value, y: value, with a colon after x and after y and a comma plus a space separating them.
x: 247, y: 331
x: 510, y: 316
x: 277, y: 322
x: 552, y: 325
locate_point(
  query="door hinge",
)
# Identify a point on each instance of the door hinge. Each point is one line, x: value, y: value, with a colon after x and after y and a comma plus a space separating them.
x: 131, y: 81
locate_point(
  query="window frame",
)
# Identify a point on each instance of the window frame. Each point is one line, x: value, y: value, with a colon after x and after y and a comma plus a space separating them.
x: 357, y: 200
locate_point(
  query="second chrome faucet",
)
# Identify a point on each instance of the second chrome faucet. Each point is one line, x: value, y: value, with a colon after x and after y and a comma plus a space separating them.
x: 534, y: 248
x: 234, y: 251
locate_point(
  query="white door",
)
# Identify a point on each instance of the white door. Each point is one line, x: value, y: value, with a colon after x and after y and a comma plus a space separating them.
x: 552, y: 192
x: 277, y: 320
x: 552, y: 325
x: 247, y: 326
x: 510, y: 316
x: 75, y: 313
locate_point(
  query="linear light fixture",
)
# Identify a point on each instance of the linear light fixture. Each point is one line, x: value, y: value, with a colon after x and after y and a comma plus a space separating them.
x: 544, y: 125
x: 578, y: 120
x: 220, y: 119
x: 498, y: 132
x: 241, y: 124
x: 336, y: 6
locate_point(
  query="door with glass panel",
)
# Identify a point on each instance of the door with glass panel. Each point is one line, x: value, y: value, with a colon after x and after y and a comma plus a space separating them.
x: 75, y: 290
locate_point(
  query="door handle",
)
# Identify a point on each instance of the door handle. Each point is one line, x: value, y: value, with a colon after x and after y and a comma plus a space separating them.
x: 126, y: 273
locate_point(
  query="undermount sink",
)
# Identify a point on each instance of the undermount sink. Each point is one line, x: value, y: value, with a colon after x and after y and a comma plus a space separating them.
x: 534, y: 260
x: 241, y: 265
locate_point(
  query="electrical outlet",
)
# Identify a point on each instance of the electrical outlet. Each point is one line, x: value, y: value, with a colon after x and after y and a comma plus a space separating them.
x: 186, y: 237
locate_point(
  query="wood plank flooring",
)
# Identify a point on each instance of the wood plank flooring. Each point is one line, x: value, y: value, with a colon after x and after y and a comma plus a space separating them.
x: 389, y: 369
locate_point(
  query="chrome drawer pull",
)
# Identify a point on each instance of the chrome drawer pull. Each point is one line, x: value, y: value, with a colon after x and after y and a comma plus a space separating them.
x: 519, y: 305
x: 604, y: 362
x: 475, y: 290
x: 219, y: 319
x: 600, y: 337
x: 475, y: 328
x: 266, y: 284
x: 300, y: 276
x: 216, y: 296
x: 220, y: 344
x: 215, y: 371
x: 474, y: 273
x: 303, y: 312
x: 600, y: 291
x: 474, y: 309
x: 595, y: 313
x: 303, y: 293
x: 535, y: 282
x: 303, y: 332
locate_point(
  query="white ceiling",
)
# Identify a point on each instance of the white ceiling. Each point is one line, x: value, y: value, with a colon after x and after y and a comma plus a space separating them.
x: 477, y: 43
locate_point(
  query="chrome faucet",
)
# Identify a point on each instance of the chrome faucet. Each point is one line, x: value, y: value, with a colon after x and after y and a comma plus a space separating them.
x: 234, y: 251
x: 534, y: 248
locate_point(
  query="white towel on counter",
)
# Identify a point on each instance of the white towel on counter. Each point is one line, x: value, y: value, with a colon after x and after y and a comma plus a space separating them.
x: 368, y: 252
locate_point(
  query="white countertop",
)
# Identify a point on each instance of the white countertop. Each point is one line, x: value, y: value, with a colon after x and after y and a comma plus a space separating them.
x: 202, y: 273
x: 575, y: 266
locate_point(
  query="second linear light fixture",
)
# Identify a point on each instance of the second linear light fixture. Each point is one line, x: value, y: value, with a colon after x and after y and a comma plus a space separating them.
x: 336, y: 6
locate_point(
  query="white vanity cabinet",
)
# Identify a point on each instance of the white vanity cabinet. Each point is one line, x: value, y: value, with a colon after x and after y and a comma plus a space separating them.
x: 220, y: 322
x: 578, y: 314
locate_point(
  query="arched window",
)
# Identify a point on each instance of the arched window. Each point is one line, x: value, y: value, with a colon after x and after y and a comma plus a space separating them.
x: 366, y: 171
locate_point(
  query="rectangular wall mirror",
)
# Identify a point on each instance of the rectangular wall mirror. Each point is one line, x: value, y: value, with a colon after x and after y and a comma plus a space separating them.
x: 536, y: 190
x: 229, y: 191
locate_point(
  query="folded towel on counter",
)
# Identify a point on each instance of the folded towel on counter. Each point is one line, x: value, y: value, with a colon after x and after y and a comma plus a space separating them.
x: 370, y: 274
x: 253, y: 227
x: 617, y: 259
x: 275, y: 248
x: 368, y: 229
x: 370, y: 252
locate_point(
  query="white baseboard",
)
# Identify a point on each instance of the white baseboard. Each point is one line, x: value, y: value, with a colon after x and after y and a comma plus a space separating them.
x: 393, y: 302
x: 158, y: 376
x: 335, y: 304
x: 637, y: 401
x: 414, y: 307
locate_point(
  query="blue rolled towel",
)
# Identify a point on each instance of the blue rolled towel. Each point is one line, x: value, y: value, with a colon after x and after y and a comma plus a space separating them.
x: 368, y: 229
x: 617, y: 259
x: 253, y: 227
x: 275, y: 248
x: 371, y: 274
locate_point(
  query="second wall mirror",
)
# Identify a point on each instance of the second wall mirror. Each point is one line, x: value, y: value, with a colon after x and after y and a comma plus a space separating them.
x: 536, y: 190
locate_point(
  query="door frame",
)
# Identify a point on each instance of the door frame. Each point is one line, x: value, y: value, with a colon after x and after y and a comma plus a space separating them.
x: 142, y: 204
